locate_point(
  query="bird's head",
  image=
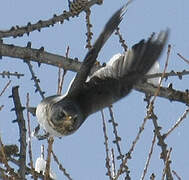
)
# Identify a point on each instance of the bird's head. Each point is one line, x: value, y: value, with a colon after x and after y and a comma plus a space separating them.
x: 64, y: 117
x: 59, y: 116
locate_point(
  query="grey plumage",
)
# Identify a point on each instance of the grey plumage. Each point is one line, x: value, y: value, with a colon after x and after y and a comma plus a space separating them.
x: 63, y: 115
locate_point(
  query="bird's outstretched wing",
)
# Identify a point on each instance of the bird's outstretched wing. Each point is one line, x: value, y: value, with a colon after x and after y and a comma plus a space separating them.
x: 114, y: 81
x: 92, y: 54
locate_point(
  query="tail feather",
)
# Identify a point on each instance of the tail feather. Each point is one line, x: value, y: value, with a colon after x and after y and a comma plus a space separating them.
x: 146, y: 53
x: 137, y: 61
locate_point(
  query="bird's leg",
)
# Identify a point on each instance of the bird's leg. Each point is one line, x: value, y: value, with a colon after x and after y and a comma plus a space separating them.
x: 38, y: 136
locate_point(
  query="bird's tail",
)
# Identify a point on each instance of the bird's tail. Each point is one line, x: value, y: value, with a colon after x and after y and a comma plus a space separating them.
x: 136, y: 62
x: 144, y: 54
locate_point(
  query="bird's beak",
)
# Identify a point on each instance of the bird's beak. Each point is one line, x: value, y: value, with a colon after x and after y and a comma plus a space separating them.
x: 68, y: 118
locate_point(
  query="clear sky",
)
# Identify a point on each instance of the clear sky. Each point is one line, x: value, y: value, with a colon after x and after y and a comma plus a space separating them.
x: 83, y: 153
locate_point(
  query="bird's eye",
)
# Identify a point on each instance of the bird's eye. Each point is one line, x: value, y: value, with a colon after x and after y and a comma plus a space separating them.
x: 57, y: 117
x: 61, y: 115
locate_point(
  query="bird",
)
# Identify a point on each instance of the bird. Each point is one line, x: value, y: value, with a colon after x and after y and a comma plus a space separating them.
x: 62, y: 115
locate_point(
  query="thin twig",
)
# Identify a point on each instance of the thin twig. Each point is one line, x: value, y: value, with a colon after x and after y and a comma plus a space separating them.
x: 59, y: 76
x: 183, y: 58
x: 106, y: 146
x: 167, y: 162
x: 29, y: 135
x: 61, y: 167
x: 128, y: 155
x: 178, y: 177
x: 35, y: 79
x: 117, y: 138
x: 6, y: 86
x: 163, y: 75
x: 61, y: 79
x: 89, y: 26
x: 48, y: 161
x: 149, y: 157
x: 177, y: 123
x: 113, y: 164
x: 121, y: 40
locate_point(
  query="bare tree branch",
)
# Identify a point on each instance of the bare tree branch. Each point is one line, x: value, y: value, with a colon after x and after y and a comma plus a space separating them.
x: 109, y: 174
x: 22, y: 130
x: 167, y: 93
x: 9, y: 74
x: 117, y: 142
x: 157, y: 128
x: 39, y: 56
x: 20, y: 31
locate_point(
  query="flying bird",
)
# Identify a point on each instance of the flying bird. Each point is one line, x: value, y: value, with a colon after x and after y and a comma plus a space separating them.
x: 62, y: 115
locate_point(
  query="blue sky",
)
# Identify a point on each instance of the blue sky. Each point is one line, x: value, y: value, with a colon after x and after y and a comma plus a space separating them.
x: 83, y: 153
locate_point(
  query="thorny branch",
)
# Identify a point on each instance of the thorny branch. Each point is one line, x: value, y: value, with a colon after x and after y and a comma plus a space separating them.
x: 157, y: 128
x: 36, y: 81
x: 22, y: 130
x: 121, y: 40
x: 17, y: 31
x: 109, y: 174
x: 60, y: 166
x: 9, y: 74
x: 167, y: 93
x: 34, y: 77
x: 89, y: 26
x: 116, y: 141
x: 149, y: 157
x: 39, y: 56
x: 128, y: 155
